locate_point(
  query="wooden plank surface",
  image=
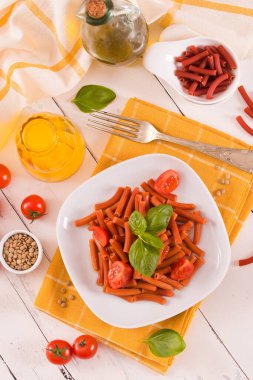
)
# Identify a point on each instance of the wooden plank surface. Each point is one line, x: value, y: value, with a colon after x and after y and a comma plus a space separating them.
x: 216, y: 347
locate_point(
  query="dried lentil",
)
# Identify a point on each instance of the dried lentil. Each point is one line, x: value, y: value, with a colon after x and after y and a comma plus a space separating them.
x: 16, y: 251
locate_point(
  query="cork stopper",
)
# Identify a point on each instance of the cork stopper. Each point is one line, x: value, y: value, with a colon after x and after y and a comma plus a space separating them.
x: 96, y: 9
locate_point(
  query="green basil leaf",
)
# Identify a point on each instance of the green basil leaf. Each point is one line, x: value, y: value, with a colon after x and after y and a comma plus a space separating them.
x: 158, y: 218
x: 151, y: 240
x: 93, y: 97
x: 137, y: 223
x: 166, y: 342
x: 143, y: 257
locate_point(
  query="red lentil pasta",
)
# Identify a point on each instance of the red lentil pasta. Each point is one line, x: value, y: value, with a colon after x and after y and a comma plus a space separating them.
x: 248, y: 110
x: 179, y: 239
x: 205, y: 70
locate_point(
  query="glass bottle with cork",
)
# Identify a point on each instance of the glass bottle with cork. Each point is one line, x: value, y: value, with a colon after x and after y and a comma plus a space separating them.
x: 113, y: 31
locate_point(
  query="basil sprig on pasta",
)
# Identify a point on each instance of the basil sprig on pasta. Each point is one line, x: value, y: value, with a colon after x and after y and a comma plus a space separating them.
x: 144, y: 252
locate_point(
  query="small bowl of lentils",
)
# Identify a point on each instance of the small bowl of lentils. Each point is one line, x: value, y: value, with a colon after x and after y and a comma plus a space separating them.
x: 20, y: 252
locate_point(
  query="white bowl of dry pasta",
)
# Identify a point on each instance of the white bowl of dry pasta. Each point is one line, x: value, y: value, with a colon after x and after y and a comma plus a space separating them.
x: 201, y: 69
x: 147, y: 247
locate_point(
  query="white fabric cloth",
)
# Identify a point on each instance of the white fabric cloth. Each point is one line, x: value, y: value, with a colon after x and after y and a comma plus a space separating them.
x: 229, y: 21
x: 41, y: 53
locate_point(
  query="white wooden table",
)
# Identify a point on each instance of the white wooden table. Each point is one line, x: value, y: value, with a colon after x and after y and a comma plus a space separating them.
x: 219, y: 340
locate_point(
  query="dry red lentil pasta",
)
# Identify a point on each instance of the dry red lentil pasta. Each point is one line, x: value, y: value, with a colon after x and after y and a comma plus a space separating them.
x: 202, y: 69
x: 245, y: 96
x: 226, y: 55
x: 249, y: 112
x: 180, y: 239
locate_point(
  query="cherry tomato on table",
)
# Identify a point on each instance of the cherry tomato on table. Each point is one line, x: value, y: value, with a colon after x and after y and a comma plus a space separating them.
x: 167, y: 182
x: 59, y: 352
x: 100, y: 235
x: 182, y: 269
x: 5, y: 176
x: 33, y: 207
x: 119, y: 275
x: 85, y: 347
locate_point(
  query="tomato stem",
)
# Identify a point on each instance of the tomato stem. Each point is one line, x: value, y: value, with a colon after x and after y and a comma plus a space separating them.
x: 82, y: 343
x: 35, y: 215
x: 57, y: 351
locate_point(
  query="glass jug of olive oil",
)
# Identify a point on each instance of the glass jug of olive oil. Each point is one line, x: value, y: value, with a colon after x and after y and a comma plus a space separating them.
x: 50, y: 147
x: 113, y: 31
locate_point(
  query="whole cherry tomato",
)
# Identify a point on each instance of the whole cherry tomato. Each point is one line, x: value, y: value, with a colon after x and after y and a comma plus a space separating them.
x: 5, y: 176
x: 85, y: 346
x: 59, y: 352
x: 33, y: 207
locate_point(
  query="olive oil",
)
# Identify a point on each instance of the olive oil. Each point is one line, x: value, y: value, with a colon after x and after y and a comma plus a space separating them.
x: 110, y: 46
x: 50, y: 147
x: 113, y: 31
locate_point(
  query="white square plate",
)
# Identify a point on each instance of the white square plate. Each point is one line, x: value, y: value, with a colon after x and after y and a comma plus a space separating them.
x: 73, y: 242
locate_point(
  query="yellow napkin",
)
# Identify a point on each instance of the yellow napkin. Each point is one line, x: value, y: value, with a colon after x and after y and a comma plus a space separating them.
x: 234, y: 206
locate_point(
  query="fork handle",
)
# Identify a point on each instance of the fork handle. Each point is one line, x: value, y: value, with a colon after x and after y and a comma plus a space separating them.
x: 240, y: 158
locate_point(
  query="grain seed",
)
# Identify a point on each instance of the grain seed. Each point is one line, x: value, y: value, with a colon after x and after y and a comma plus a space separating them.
x: 18, y: 250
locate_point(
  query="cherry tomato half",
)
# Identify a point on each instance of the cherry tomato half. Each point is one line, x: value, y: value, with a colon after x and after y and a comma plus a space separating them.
x: 100, y: 235
x: 119, y: 275
x: 182, y: 269
x: 33, y: 207
x: 85, y: 346
x: 5, y: 176
x: 59, y: 352
x: 167, y: 182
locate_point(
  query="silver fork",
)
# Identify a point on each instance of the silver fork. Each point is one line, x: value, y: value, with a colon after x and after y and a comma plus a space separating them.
x: 144, y: 132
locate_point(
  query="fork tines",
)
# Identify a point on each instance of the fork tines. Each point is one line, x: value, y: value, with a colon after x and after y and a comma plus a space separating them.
x: 115, y: 124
